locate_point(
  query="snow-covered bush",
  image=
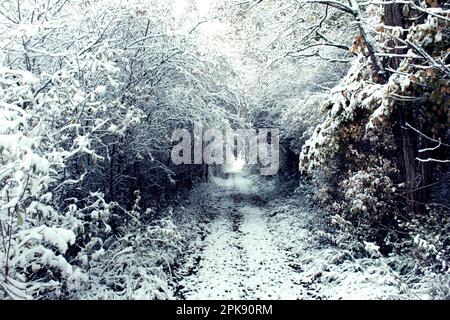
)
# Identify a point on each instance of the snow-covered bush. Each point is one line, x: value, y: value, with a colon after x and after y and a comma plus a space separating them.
x: 134, y: 263
x: 383, y: 132
x: 350, y: 148
x: 34, y: 235
x: 429, y: 239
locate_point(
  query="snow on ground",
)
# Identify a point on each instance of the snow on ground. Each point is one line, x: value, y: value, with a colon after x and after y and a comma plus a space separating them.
x: 249, y: 247
x: 240, y: 258
x: 237, y: 183
x: 327, y: 272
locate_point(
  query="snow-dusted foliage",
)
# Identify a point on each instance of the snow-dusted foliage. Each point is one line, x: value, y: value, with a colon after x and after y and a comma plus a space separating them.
x: 330, y: 269
x: 135, y: 263
x: 384, y: 132
x: 35, y: 235
x: 297, y: 63
x: 90, y: 92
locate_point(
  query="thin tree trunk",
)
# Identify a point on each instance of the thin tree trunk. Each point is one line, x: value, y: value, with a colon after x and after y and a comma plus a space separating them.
x: 111, y: 174
x: 409, y: 163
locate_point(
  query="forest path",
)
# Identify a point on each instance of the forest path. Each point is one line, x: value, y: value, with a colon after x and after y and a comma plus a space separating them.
x: 240, y: 259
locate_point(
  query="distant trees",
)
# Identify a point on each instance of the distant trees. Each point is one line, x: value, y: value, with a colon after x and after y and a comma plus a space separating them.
x: 294, y: 66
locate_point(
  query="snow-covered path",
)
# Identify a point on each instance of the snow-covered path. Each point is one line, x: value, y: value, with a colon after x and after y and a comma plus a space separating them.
x: 244, y: 242
x: 240, y: 259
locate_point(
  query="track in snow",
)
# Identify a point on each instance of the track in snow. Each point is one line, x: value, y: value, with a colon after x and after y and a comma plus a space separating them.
x: 240, y: 259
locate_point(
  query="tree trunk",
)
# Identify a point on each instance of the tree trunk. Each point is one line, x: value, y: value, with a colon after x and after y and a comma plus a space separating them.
x: 393, y: 16
x: 426, y: 181
x: 409, y: 161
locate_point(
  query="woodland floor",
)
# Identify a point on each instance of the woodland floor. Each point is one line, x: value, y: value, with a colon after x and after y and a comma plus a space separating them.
x: 240, y: 259
x: 252, y: 247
